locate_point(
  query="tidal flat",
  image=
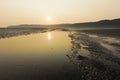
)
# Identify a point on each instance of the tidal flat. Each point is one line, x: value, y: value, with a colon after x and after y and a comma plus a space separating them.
x: 11, y: 32
x: 59, y: 54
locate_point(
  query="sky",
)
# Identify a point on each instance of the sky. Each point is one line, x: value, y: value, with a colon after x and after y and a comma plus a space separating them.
x: 15, y: 12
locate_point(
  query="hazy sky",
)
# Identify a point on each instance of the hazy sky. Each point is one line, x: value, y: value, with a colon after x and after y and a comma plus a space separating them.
x: 13, y: 12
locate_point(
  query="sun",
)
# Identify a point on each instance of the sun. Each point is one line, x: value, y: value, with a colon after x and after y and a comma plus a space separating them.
x: 49, y: 18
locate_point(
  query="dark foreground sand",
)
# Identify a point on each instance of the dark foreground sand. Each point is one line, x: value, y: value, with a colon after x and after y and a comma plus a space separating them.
x: 103, y: 60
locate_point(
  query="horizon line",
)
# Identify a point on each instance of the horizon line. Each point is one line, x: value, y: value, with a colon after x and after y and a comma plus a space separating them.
x: 58, y: 23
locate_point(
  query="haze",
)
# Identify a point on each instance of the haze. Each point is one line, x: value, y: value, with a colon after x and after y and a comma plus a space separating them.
x: 14, y: 12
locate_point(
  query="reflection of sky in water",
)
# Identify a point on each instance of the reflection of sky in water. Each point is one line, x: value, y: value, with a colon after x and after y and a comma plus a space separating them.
x: 36, y: 43
x: 46, y: 49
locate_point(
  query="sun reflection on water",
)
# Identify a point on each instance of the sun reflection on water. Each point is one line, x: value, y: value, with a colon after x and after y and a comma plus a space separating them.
x: 49, y: 35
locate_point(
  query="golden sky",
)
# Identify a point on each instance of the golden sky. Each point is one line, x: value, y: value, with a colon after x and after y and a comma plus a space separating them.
x: 14, y: 12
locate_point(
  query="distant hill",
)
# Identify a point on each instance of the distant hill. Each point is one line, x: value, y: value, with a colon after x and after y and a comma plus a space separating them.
x: 102, y: 23
x: 26, y: 26
x: 115, y: 23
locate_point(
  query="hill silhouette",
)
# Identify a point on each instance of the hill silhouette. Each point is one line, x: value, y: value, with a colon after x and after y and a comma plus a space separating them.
x: 102, y: 23
x: 115, y: 23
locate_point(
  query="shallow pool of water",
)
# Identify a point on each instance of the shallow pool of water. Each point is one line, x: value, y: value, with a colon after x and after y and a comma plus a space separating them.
x: 37, y: 55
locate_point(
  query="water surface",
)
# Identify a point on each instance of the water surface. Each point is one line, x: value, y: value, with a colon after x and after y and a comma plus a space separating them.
x: 39, y: 56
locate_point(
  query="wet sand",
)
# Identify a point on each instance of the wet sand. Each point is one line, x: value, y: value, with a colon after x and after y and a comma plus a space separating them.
x: 11, y: 32
x: 103, y: 60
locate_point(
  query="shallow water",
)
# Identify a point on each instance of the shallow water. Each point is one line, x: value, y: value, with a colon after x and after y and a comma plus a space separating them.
x: 41, y: 54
